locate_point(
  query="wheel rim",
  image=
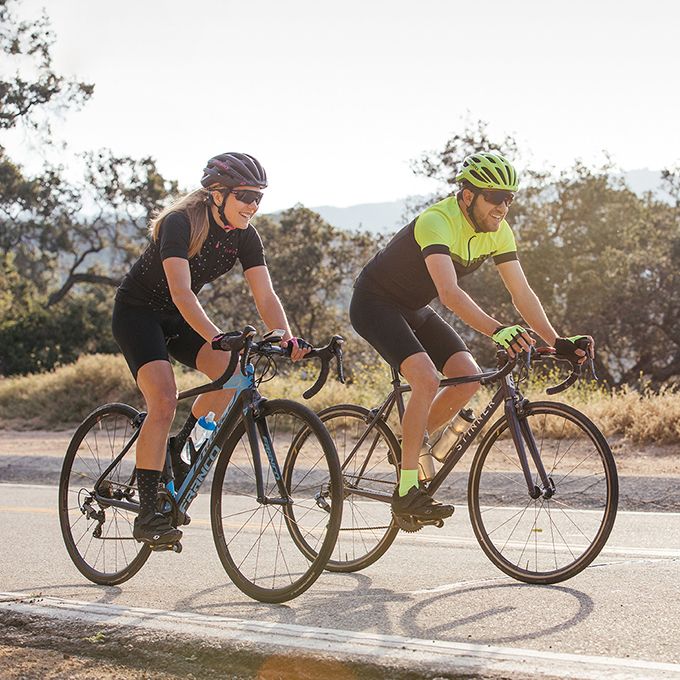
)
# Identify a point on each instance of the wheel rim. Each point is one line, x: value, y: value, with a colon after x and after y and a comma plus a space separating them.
x: 366, y: 523
x: 99, y: 536
x: 545, y: 538
x: 268, y: 549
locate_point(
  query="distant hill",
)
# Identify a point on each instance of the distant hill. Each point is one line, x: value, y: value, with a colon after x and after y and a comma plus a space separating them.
x: 375, y: 217
x: 644, y: 180
x: 390, y: 216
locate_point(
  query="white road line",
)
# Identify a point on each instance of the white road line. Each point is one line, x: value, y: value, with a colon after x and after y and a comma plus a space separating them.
x: 460, y: 585
x: 368, y: 647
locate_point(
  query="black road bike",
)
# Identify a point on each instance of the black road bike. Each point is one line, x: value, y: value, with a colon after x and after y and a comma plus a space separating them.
x: 542, y: 488
x: 276, y: 498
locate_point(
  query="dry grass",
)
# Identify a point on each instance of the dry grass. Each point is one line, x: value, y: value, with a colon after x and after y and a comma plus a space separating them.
x: 63, y: 397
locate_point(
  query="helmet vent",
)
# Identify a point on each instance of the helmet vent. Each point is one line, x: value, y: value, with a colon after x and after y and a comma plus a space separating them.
x: 489, y: 175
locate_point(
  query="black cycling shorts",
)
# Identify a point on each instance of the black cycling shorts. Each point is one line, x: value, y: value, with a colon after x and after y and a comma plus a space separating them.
x: 397, y: 332
x: 144, y: 335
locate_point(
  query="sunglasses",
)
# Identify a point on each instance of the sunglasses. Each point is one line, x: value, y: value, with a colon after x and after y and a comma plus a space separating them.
x: 498, y: 196
x: 247, y: 196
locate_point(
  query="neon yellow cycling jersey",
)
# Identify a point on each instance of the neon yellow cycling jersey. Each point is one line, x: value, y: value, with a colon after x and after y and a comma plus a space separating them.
x: 398, y: 270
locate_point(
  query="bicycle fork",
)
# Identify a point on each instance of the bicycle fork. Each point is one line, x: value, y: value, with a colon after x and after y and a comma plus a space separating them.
x: 253, y: 426
x: 521, y: 433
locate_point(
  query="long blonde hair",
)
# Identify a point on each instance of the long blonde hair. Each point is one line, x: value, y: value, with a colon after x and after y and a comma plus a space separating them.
x: 195, y: 206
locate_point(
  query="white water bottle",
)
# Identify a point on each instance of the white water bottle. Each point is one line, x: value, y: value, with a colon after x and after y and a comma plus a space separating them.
x: 204, y: 427
x: 449, y: 436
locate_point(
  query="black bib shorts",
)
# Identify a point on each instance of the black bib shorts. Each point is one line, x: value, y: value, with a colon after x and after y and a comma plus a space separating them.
x: 397, y: 332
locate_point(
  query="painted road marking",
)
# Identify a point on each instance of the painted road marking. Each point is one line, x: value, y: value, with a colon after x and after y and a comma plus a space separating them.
x: 369, y: 647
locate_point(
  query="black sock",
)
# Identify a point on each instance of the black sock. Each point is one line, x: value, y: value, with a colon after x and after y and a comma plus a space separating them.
x: 184, y: 433
x: 147, y: 484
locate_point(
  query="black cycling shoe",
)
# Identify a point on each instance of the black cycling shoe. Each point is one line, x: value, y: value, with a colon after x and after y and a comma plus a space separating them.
x: 155, y: 530
x: 419, y: 505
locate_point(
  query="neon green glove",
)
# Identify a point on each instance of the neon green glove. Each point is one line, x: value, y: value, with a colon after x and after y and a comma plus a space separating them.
x: 506, y: 335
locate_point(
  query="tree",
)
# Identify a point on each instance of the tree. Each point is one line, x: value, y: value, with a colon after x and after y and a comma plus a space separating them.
x: 601, y: 259
x: 312, y: 265
x: 35, y: 87
x: 99, y: 248
x: 56, y: 235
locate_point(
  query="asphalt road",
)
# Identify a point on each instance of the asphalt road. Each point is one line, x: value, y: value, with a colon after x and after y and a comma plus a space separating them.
x: 435, y: 585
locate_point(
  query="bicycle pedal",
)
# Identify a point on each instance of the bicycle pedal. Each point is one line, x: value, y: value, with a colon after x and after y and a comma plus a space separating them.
x: 175, y: 547
x: 439, y: 523
x: 411, y: 524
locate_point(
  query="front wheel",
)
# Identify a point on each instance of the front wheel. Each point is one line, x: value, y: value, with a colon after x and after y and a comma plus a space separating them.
x: 555, y: 536
x: 274, y: 548
x: 97, y: 534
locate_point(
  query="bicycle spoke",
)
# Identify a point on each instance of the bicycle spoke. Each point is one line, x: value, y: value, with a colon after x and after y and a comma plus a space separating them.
x: 98, y: 441
x: 270, y: 550
x: 568, y: 525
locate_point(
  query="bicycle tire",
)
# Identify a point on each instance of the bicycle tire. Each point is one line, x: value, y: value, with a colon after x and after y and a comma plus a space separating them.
x: 94, y: 445
x: 271, y: 567
x: 544, y: 541
x: 368, y: 528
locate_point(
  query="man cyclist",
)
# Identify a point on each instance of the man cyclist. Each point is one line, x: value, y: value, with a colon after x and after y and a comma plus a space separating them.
x: 390, y: 308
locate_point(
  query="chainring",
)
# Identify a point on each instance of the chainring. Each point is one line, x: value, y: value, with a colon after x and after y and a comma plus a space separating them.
x: 407, y: 523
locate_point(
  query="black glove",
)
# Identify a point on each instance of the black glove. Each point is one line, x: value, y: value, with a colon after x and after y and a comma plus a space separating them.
x: 222, y: 341
x: 566, y: 347
x: 299, y: 342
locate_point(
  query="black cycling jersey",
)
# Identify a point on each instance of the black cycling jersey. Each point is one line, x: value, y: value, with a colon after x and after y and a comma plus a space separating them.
x: 146, y: 284
x: 398, y: 271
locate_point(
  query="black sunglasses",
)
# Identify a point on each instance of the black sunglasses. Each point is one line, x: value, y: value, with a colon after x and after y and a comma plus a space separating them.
x: 247, y: 196
x: 498, y: 196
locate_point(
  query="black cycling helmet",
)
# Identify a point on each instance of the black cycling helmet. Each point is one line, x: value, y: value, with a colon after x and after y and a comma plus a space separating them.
x: 234, y: 169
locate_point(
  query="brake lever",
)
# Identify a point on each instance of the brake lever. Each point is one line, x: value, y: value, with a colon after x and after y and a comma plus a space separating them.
x: 527, y: 357
x: 337, y: 351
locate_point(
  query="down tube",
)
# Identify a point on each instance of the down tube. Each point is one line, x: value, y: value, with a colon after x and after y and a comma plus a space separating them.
x: 465, y: 441
x: 209, y: 453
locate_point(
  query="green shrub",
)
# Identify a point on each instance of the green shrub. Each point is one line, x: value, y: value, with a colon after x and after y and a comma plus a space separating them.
x: 63, y: 397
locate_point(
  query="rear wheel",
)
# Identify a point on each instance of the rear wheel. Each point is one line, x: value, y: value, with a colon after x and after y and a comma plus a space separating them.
x: 98, y: 535
x: 372, y: 466
x: 275, y: 549
x: 553, y: 537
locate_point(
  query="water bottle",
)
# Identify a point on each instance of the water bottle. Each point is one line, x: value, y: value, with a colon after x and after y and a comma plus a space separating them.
x: 426, y: 468
x: 204, y: 427
x: 449, y: 436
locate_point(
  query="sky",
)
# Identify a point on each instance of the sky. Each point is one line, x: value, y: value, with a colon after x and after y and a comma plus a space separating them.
x: 337, y: 98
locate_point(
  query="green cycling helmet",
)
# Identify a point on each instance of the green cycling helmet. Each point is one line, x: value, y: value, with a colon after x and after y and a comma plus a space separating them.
x: 488, y: 171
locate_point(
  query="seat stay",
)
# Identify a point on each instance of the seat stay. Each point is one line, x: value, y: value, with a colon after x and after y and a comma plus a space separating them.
x: 113, y: 464
x: 382, y: 413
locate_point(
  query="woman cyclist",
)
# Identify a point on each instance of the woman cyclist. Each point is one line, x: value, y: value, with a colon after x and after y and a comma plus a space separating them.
x: 196, y: 239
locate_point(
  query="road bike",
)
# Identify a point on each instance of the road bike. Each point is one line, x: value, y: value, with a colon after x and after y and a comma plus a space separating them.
x: 274, y: 517
x: 542, y: 489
